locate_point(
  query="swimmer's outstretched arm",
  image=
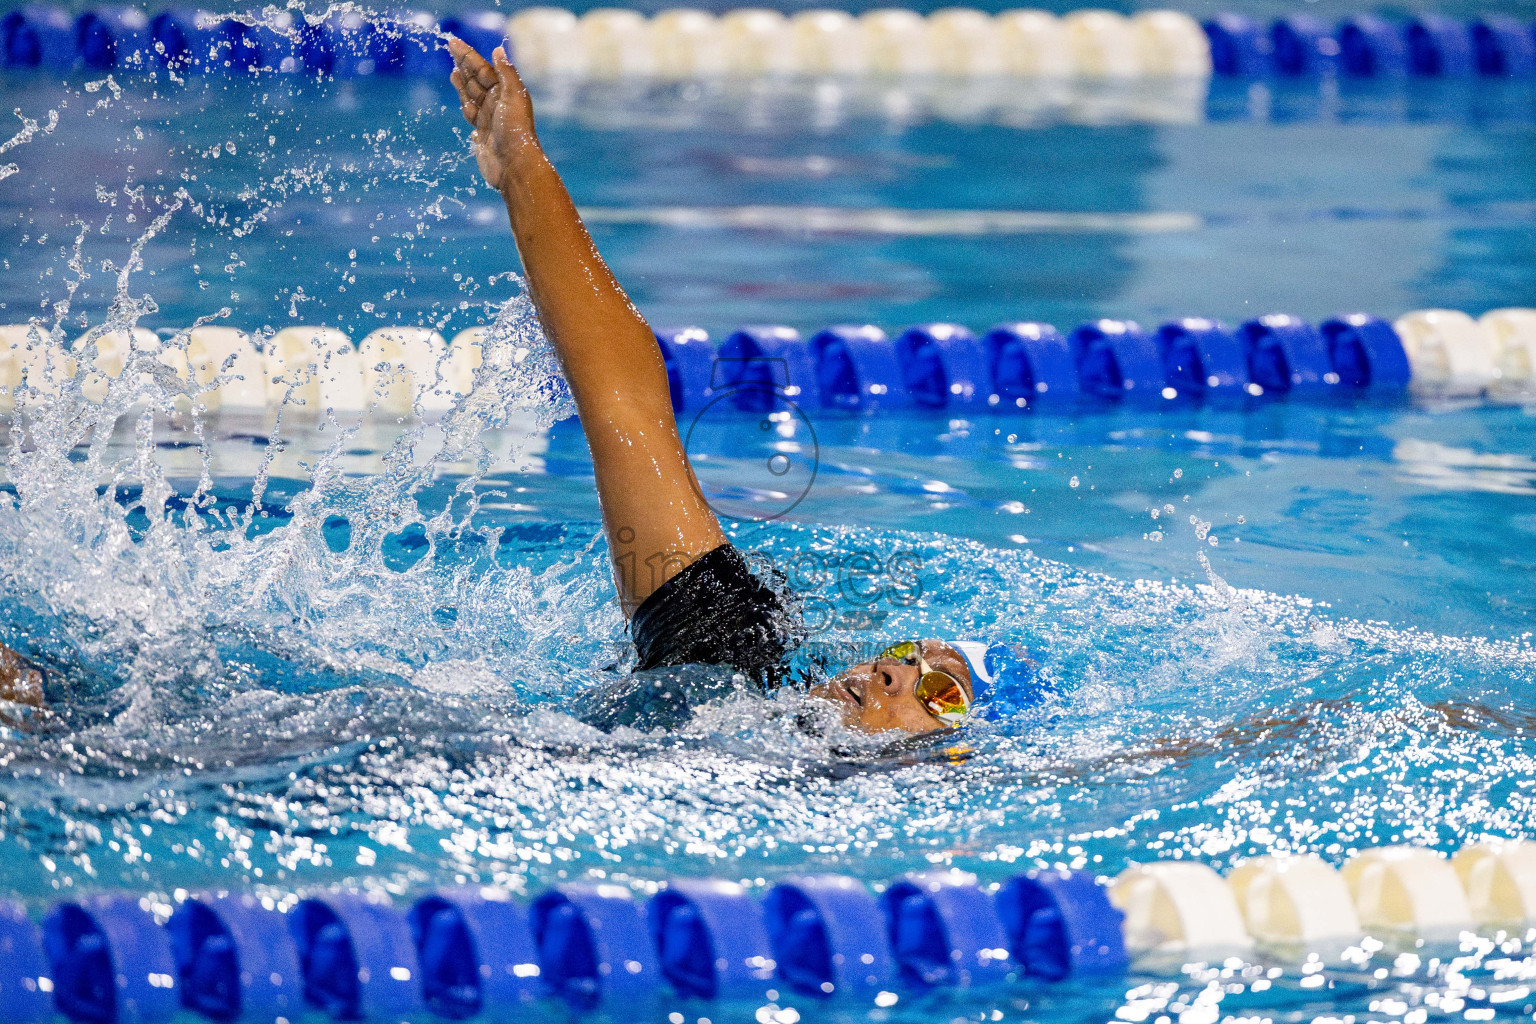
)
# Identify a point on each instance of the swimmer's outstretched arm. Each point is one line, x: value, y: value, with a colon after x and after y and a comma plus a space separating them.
x: 656, y: 519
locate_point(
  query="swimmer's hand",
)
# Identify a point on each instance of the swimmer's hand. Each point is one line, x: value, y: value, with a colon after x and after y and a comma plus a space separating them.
x: 21, y: 689
x: 494, y: 100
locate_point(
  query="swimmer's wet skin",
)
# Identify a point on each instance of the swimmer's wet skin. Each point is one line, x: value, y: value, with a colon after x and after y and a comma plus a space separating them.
x: 21, y: 689
x: 706, y: 607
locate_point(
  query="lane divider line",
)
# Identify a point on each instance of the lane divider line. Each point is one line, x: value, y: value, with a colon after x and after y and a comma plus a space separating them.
x: 475, y: 952
x: 399, y: 372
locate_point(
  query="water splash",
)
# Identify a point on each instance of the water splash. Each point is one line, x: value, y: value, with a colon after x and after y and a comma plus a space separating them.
x: 168, y: 570
x: 29, y: 131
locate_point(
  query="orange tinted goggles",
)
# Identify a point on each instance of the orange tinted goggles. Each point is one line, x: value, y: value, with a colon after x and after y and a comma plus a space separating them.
x: 938, y: 691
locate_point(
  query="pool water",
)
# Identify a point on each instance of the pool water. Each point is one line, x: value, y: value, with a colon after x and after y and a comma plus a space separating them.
x: 352, y: 204
x: 289, y: 656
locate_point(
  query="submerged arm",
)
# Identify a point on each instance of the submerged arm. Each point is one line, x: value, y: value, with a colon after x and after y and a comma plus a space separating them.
x: 656, y: 519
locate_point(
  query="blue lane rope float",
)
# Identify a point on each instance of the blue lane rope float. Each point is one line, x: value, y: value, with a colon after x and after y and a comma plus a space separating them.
x: 828, y: 936
x: 1365, y: 352
x: 111, y: 962
x: 1202, y: 359
x: 1440, y: 47
x: 476, y: 954
x: 113, y: 37
x: 1157, y: 43
x: 357, y: 957
x: 943, y: 931
x: 1031, y: 364
x: 1061, y: 924
x: 36, y: 36
x: 942, y: 365
x: 1504, y: 47
x: 1286, y: 355
x: 856, y: 369
x: 235, y: 959
x: 1116, y: 360
x: 1239, y: 48
x: 1302, y: 46
x: 1371, y: 47
x: 763, y: 366
x: 710, y: 940
x: 594, y: 946
x: 25, y: 978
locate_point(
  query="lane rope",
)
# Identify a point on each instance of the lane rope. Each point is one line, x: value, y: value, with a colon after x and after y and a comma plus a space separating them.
x: 475, y: 951
x: 615, y: 43
x: 403, y: 371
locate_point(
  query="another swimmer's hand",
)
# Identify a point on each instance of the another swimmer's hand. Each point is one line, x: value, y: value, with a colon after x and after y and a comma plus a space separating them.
x: 21, y: 689
x: 495, y: 101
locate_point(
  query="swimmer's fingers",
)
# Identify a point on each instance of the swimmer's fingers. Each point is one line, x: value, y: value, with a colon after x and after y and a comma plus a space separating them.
x: 468, y: 105
x: 507, y: 76
x: 470, y: 85
x: 485, y: 122
x: 476, y: 80
x: 475, y: 68
x: 516, y: 105
x: 485, y: 110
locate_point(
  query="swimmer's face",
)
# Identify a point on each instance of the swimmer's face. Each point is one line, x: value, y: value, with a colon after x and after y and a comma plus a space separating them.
x: 880, y: 695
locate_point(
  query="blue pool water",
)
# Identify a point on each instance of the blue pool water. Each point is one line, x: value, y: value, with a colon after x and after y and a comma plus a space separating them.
x: 1286, y: 627
x: 1309, y: 198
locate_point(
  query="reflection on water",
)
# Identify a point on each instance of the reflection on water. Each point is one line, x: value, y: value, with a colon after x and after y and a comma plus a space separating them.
x: 1461, y: 469
x: 828, y: 104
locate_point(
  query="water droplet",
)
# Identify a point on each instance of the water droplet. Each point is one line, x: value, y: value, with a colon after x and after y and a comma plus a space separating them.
x: 1074, y: 482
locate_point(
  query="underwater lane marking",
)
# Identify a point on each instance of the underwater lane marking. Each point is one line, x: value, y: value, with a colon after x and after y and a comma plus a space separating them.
x: 884, y: 220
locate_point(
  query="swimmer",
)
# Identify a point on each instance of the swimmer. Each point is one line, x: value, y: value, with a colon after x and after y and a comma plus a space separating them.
x: 688, y: 593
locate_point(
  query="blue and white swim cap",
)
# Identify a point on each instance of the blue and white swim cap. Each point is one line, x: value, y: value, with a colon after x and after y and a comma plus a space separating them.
x: 1002, y: 674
